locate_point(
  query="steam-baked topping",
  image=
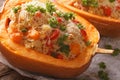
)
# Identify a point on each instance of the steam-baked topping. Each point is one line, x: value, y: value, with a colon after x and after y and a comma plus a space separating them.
x: 45, y: 29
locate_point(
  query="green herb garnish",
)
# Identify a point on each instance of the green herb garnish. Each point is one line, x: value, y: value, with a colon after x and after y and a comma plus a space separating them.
x: 102, y: 65
x: 103, y: 75
x: 80, y: 26
x: 65, y: 49
x: 92, y: 3
x: 50, y: 7
x: 68, y: 16
x: 32, y: 9
x: 62, y: 28
x: 111, y: 0
x: 59, y: 13
x: 116, y: 52
x: 53, y: 22
x: 41, y: 9
x: 15, y: 9
x: 62, y: 39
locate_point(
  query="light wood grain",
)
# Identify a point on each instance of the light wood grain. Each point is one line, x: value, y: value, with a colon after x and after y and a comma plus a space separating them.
x: 8, y: 74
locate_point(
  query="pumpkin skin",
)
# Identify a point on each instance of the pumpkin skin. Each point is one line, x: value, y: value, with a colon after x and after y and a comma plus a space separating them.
x: 106, y: 26
x: 30, y: 60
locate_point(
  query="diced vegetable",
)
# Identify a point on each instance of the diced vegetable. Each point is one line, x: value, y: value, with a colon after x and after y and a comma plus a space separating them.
x: 33, y: 34
x: 49, y: 43
x: 118, y: 1
x: 59, y: 20
x: 38, y: 14
x: 55, y: 34
x: 16, y: 37
x: 7, y: 22
x: 15, y: 9
x: 59, y: 56
x: 84, y: 34
x: 107, y: 10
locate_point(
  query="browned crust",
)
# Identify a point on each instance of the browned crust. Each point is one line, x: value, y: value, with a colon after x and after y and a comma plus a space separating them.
x: 106, y: 26
x: 30, y: 60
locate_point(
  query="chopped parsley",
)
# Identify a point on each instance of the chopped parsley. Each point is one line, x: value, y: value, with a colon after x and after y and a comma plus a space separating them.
x: 68, y: 16
x: 102, y: 65
x: 62, y: 39
x: 62, y: 28
x: 111, y: 0
x: 116, y: 52
x: 32, y: 9
x: 65, y: 49
x: 15, y: 9
x: 92, y: 3
x: 41, y: 9
x: 50, y: 7
x: 53, y: 22
x: 80, y: 26
x: 103, y: 75
x: 59, y: 13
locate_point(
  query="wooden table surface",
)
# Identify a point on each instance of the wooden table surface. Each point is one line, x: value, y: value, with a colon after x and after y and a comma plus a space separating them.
x: 8, y: 74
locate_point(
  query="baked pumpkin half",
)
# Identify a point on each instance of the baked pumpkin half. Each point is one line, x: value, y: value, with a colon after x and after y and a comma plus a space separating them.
x: 103, y: 14
x: 45, y: 38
